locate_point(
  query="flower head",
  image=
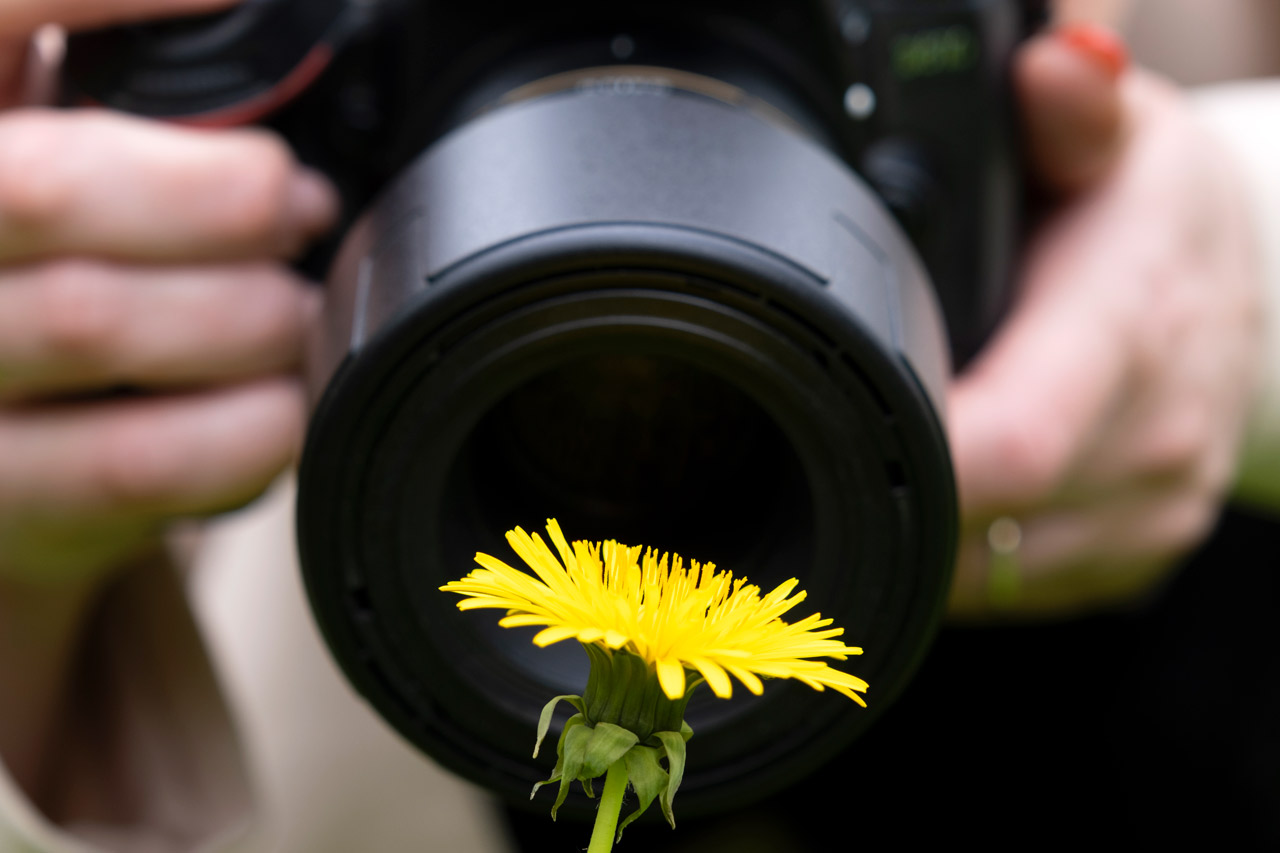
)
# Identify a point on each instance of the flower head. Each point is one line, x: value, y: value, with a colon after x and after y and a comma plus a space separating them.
x: 673, y: 617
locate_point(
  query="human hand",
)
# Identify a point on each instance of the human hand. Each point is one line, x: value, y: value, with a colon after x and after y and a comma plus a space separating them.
x: 141, y: 257
x: 1102, y: 423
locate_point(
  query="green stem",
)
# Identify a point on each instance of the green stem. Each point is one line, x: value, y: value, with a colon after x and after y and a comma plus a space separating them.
x: 615, y: 785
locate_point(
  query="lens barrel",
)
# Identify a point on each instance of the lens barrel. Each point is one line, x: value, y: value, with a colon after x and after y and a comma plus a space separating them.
x: 660, y: 316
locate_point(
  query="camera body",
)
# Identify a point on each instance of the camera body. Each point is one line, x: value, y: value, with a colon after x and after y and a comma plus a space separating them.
x: 682, y: 273
x: 911, y: 94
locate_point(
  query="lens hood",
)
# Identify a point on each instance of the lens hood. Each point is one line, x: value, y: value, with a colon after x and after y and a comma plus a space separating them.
x: 659, y: 316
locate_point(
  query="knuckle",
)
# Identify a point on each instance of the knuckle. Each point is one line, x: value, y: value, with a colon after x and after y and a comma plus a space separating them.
x: 35, y: 187
x: 80, y: 311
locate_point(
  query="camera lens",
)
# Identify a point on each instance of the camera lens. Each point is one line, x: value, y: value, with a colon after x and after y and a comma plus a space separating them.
x: 636, y: 448
x: 662, y: 318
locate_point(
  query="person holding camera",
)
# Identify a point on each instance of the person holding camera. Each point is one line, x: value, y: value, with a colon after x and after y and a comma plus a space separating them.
x: 150, y: 337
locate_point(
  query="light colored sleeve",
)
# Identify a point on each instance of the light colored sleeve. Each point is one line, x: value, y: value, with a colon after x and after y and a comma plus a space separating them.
x: 1246, y: 118
x: 24, y: 830
x: 331, y: 775
x: 208, y: 718
x: 146, y: 757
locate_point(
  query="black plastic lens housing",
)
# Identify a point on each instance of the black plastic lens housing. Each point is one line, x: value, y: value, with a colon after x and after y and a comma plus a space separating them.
x: 658, y: 316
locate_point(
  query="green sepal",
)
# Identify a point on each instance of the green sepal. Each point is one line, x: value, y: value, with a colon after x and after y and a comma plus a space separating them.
x: 673, y: 745
x: 585, y: 752
x: 558, y: 775
x: 572, y: 750
x: 607, y: 744
x: 623, y: 715
x: 647, y: 778
x: 544, y: 720
x: 623, y: 689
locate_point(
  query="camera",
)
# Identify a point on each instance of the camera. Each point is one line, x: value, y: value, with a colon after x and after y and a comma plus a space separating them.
x: 688, y: 273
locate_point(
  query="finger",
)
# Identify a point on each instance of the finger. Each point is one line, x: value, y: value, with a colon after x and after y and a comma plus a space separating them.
x: 94, y: 182
x: 1023, y: 415
x: 1164, y: 438
x: 1068, y: 85
x: 81, y: 325
x: 1072, y: 559
x: 168, y: 456
x: 1075, y: 591
x: 20, y: 18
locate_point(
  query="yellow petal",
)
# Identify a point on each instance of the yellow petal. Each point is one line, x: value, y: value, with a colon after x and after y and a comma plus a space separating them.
x: 748, y: 679
x: 554, y: 634
x: 716, y: 677
x: 671, y: 678
x: 523, y: 620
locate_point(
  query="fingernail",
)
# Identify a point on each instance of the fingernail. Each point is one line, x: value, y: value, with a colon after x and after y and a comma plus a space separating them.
x: 313, y: 202
x: 1100, y: 44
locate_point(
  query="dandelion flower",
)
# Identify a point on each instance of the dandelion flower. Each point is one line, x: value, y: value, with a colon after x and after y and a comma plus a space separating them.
x: 645, y: 620
x: 672, y: 616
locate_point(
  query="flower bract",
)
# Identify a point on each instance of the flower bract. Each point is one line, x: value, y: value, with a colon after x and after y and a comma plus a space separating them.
x: 675, y: 617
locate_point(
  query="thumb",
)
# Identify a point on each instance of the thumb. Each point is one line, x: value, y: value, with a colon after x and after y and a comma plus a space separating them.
x: 1068, y: 87
x: 1021, y: 416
